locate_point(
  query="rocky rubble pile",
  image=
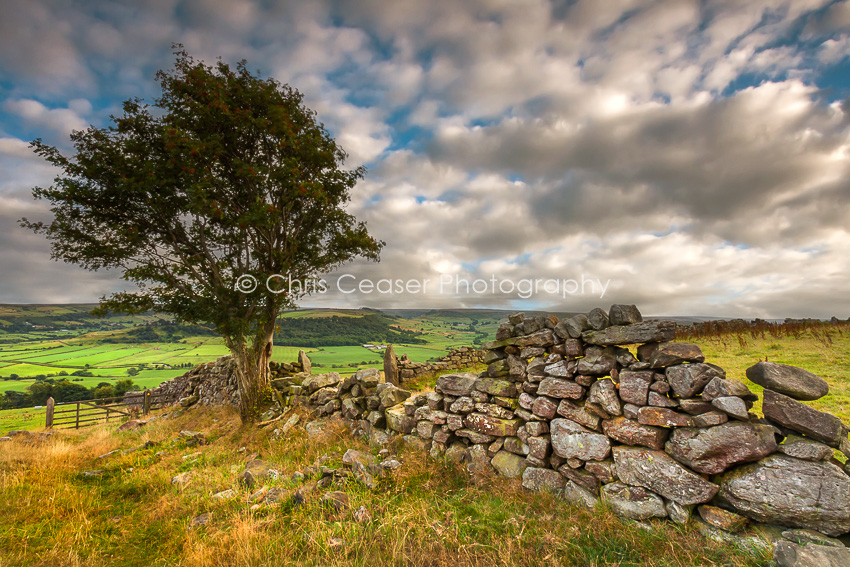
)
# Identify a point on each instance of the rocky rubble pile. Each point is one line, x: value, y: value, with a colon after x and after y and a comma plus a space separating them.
x: 214, y: 383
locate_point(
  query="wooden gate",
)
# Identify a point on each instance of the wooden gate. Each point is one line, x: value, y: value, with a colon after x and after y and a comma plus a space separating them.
x: 83, y: 413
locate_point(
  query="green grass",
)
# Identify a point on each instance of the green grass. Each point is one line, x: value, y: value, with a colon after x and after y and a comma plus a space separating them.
x: 23, y: 418
x: 427, y: 513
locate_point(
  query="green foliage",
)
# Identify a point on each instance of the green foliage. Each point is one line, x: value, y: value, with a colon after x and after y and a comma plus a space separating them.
x: 343, y: 331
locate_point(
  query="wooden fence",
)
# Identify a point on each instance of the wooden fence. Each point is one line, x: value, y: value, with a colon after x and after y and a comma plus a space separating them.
x: 83, y: 413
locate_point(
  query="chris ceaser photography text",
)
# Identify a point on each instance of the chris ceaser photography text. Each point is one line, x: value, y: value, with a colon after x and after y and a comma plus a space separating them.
x: 446, y: 284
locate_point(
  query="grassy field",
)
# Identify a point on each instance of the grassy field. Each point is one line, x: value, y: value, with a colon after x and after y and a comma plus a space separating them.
x: 425, y: 513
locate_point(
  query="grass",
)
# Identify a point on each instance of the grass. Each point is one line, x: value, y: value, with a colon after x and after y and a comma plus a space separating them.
x: 426, y: 513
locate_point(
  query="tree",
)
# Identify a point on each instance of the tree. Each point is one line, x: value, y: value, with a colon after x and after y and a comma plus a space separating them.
x: 225, y: 175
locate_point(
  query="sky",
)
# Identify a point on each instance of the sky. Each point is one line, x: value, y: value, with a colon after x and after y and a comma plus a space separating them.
x: 690, y: 157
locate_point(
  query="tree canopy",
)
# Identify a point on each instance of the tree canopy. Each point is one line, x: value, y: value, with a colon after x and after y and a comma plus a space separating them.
x: 226, y: 174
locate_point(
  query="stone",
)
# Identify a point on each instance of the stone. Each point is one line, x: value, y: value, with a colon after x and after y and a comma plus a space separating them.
x: 630, y: 411
x: 576, y: 325
x: 633, y: 502
x: 720, y: 387
x: 559, y: 388
x: 723, y: 519
x: 678, y: 513
x: 544, y: 407
x: 515, y: 445
x: 710, y: 419
x: 491, y: 425
x: 624, y: 315
x: 605, y: 470
x: 460, y: 384
x: 463, y: 404
x: 496, y: 387
x: 129, y: 425
x: 319, y: 381
x: 367, y: 377
x: 806, y: 537
x: 688, y: 380
x: 695, y: 406
x: 597, y: 319
x: 508, y: 464
x: 597, y: 362
x: 478, y: 462
x: 391, y: 374
x: 337, y: 500
x: 788, y: 380
x: 659, y: 400
x: 571, y: 440
x: 573, y: 347
x: 537, y: 480
x: 658, y: 472
x: 324, y: 395
x: 604, y: 393
x: 806, y: 449
x: 536, y: 428
x: 787, y: 554
x: 539, y: 447
x: 646, y: 332
x: 492, y: 410
x: 634, y: 386
x: 557, y: 369
x: 732, y: 406
x: 543, y: 338
x: 798, y: 417
x: 304, y: 361
x: 663, y: 417
x: 225, y: 494
x: 392, y: 396
x: 182, y: 479
x: 790, y: 492
x: 659, y: 387
x: 580, y: 476
x: 670, y: 354
x: 579, y: 415
x: 200, y: 520
x: 398, y: 420
x: 713, y: 450
x: 362, y: 515
x: 256, y: 471
x: 633, y: 433
x: 580, y: 496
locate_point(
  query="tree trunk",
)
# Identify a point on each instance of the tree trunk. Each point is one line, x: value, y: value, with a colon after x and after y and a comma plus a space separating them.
x: 253, y: 379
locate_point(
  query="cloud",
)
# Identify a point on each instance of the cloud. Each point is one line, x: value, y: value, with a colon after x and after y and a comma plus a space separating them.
x: 681, y: 149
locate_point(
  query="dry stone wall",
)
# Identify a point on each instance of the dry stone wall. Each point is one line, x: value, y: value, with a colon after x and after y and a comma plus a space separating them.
x: 607, y: 406
x: 462, y: 357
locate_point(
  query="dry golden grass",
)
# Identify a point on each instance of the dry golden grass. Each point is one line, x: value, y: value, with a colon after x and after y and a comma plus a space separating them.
x: 427, y: 513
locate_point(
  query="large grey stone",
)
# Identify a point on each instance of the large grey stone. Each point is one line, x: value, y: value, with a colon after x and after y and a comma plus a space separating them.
x: 576, y: 325
x: 598, y: 319
x: 580, y: 496
x: 787, y: 554
x: 491, y: 425
x: 633, y: 502
x: 732, y: 406
x: 392, y: 396
x: 624, y: 315
x: 634, y: 386
x: 806, y: 449
x: 648, y: 331
x: 578, y: 414
x: 712, y: 450
x: 789, y: 380
x: 604, y: 393
x: 319, y: 381
x: 597, y: 362
x: 460, y: 384
x: 538, y: 479
x: 723, y: 387
x: 670, y: 354
x: 391, y: 367
x: 304, y: 361
x: 658, y: 472
x: 509, y: 464
x: 799, y: 417
x: 790, y: 492
x: 559, y: 388
x: 571, y: 440
x: 633, y: 433
x: 495, y: 387
x: 688, y: 380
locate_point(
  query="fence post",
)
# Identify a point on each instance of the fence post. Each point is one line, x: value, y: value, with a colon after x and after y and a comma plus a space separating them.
x: 48, y: 418
x: 77, y: 422
x: 147, y: 406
